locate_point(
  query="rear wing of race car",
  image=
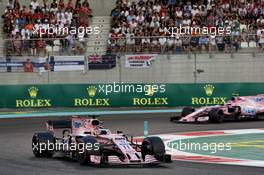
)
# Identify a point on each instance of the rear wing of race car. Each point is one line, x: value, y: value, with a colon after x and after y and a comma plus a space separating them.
x: 58, y: 124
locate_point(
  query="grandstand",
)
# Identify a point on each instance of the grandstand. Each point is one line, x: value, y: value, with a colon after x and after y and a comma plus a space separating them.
x: 134, y: 21
x: 129, y: 27
x: 136, y: 26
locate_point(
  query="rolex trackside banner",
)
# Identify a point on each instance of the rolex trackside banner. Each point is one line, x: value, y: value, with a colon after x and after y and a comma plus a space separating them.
x: 140, y: 61
x: 124, y: 95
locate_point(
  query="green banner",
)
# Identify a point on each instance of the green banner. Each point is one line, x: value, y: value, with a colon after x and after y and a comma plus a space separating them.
x: 123, y: 95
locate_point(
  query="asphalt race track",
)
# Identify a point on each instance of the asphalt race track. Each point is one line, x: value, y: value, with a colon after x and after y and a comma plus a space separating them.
x: 16, y: 156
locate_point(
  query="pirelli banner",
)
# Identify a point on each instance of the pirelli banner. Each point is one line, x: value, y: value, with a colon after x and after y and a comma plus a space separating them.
x: 124, y: 95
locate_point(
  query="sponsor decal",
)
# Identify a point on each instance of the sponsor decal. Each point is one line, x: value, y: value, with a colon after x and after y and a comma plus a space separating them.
x: 209, y: 100
x: 33, y: 101
x: 140, y: 61
x: 150, y: 100
x: 92, y: 100
x: 259, y: 99
x: 76, y: 124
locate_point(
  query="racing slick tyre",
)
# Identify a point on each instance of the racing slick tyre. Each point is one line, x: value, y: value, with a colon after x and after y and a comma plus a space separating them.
x: 84, y: 154
x: 43, y: 144
x: 216, y: 115
x: 153, y: 146
x: 186, y: 111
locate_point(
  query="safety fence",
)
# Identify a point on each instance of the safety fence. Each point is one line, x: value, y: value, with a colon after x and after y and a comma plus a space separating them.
x: 182, y: 44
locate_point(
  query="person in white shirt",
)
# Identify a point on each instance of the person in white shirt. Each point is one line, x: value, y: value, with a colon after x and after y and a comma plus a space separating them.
x: 38, y: 26
x: 16, y: 29
x: 25, y: 33
x: 162, y: 42
x: 195, y: 10
x: 145, y: 40
x: 261, y: 40
x: 67, y: 20
x: 156, y: 7
x: 34, y: 4
x: 178, y: 44
x: 130, y: 37
x: 10, y: 4
x: 68, y: 13
x: 186, y: 22
x: 61, y: 20
x: 154, y: 23
x: 45, y: 25
x: 178, y: 13
x: 60, y: 14
x: 127, y: 3
x: 140, y: 18
x: 133, y: 24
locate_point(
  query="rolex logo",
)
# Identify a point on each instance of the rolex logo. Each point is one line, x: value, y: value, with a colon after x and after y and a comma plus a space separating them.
x: 33, y: 92
x: 209, y: 89
x: 150, y: 91
x: 91, y: 91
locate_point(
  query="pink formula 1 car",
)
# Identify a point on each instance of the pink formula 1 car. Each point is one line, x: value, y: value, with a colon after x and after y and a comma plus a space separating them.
x: 238, y: 108
x: 84, y: 139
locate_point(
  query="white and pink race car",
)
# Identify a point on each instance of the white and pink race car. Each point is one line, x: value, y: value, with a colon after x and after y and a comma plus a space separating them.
x: 84, y: 139
x: 238, y: 108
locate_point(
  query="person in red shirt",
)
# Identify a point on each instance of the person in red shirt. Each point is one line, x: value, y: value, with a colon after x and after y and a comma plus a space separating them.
x: 69, y: 5
x: 40, y: 44
x: 61, y: 4
x: 28, y: 66
x: 24, y: 12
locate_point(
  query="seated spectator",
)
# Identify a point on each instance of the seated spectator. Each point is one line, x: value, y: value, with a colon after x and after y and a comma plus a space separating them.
x: 145, y: 41
x: 228, y: 43
x: 261, y: 41
x: 171, y: 42
x: 186, y: 43
x: 212, y: 43
x: 178, y: 45
x: 130, y: 38
x: 162, y: 42
x: 203, y: 42
x: 40, y: 46
x: 220, y: 43
x: 18, y: 44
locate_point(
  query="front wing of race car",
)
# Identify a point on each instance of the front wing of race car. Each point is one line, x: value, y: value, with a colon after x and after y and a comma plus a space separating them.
x: 115, y: 160
x: 200, y: 116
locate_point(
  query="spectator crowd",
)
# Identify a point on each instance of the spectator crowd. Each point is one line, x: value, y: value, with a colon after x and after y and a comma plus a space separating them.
x: 140, y: 25
x: 22, y: 25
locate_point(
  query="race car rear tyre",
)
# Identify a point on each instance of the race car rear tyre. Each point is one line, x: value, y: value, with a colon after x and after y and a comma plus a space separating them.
x: 216, y: 115
x: 83, y: 154
x: 153, y: 146
x: 186, y: 111
x: 43, y: 144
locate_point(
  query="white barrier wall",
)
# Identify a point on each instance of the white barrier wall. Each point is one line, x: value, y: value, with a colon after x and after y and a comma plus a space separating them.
x: 165, y: 69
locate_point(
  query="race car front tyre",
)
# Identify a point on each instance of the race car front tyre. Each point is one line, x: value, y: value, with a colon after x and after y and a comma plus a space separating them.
x: 187, y: 110
x: 216, y: 115
x: 87, y: 147
x: 153, y: 146
x: 43, y: 144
